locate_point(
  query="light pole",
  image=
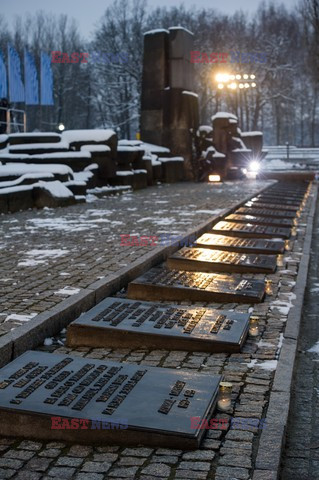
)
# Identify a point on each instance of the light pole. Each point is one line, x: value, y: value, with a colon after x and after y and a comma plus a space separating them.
x: 236, y: 83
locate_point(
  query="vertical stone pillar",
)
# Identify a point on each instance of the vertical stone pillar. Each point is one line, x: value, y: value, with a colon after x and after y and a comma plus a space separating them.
x: 154, y: 82
x: 169, y: 106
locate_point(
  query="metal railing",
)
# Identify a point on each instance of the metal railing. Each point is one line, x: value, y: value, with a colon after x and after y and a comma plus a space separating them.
x: 12, y: 123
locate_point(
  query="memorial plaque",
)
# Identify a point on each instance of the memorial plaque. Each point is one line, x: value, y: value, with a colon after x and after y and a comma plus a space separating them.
x: 118, y: 322
x: 249, y: 230
x: 266, y: 212
x: 110, y: 402
x: 273, y: 222
x: 284, y: 195
x: 204, y: 260
x: 160, y: 283
x: 240, y: 245
x: 271, y: 206
x: 273, y: 199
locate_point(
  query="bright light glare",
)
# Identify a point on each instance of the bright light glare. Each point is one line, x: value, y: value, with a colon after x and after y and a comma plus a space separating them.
x: 222, y: 77
x: 220, y: 86
x: 233, y: 86
x: 232, y: 77
x: 238, y: 77
x: 245, y: 76
x: 214, y: 178
x: 61, y: 127
x: 245, y: 171
x: 253, y: 85
x: 253, y: 77
x: 246, y: 85
x: 254, y: 166
x: 241, y: 85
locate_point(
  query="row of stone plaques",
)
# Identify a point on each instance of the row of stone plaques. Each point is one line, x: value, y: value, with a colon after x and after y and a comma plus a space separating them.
x: 130, y: 404
x: 64, y: 398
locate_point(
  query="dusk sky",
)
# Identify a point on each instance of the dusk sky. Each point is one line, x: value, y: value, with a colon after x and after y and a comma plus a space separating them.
x: 87, y: 17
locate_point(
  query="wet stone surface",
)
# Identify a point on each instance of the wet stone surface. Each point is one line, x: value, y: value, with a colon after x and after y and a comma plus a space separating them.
x: 226, y: 452
x: 48, y: 255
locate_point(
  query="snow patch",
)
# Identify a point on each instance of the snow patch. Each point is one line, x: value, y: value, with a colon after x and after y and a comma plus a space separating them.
x: 68, y: 291
x: 20, y: 318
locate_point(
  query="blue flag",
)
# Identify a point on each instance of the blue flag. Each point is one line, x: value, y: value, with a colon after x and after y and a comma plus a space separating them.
x: 16, y: 87
x: 3, y: 78
x: 30, y: 80
x: 46, y: 80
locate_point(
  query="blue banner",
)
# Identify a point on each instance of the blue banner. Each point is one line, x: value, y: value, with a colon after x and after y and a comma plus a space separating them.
x: 30, y: 80
x: 46, y: 80
x: 16, y: 87
x: 3, y: 78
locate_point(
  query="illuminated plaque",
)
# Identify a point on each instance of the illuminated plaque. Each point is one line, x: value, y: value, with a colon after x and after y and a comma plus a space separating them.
x: 118, y: 322
x: 115, y: 403
x: 275, y: 222
x: 250, y: 230
x: 265, y: 212
x: 271, y: 206
x: 241, y: 245
x: 271, y: 198
x: 160, y: 283
x: 204, y: 260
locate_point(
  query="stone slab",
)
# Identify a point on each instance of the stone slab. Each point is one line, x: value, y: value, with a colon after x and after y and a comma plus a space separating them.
x: 136, y: 404
x: 118, y: 322
x: 266, y: 212
x: 241, y: 245
x: 205, y: 260
x: 255, y: 219
x: 249, y: 230
x: 159, y: 283
x: 273, y: 199
x: 272, y: 206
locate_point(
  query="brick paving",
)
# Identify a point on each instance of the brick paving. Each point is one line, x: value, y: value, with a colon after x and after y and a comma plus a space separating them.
x: 45, y: 254
x: 224, y: 454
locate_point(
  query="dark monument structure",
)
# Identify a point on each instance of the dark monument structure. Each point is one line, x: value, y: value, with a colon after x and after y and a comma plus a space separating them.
x: 169, y: 109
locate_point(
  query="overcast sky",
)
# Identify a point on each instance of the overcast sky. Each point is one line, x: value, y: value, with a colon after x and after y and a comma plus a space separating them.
x: 88, y: 16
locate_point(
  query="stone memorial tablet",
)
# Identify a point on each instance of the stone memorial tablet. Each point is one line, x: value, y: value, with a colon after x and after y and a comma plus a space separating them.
x: 241, y: 245
x: 292, y: 189
x: 204, y: 260
x: 271, y: 206
x: 84, y: 400
x: 249, y: 230
x: 118, y: 322
x: 273, y: 199
x: 160, y: 283
x: 265, y: 212
x: 273, y: 222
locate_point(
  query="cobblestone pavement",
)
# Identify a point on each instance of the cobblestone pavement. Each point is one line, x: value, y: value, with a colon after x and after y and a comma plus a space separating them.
x: 301, y: 456
x: 224, y: 454
x: 48, y: 254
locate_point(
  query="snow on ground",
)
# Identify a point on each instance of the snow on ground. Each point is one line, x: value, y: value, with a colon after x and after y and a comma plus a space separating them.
x: 282, y: 306
x: 20, y: 318
x: 314, y: 348
x: 39, y: 256
x: 68, y: 291
x: 265, y: 365
x: 87, y: 135
x: 210, y: 212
